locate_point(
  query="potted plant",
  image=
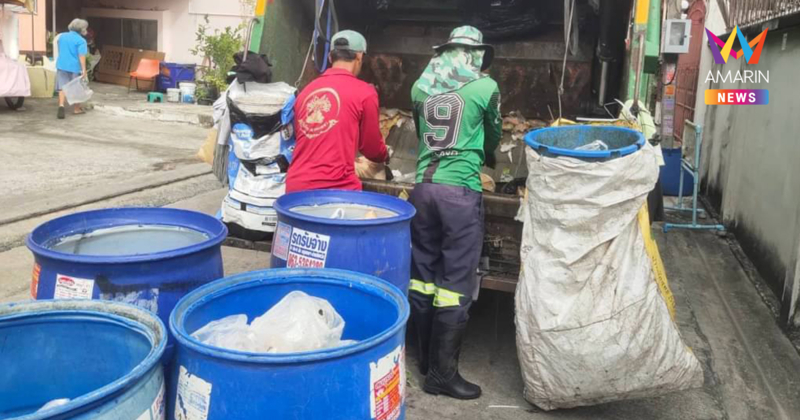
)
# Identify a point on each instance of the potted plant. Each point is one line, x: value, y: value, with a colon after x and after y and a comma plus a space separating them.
x: 217, y: 50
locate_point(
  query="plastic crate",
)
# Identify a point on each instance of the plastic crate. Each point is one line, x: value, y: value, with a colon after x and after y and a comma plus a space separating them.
x: 174, y: 73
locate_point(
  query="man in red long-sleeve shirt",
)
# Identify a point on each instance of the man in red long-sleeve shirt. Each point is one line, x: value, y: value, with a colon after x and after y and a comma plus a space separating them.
x: 335, y: 116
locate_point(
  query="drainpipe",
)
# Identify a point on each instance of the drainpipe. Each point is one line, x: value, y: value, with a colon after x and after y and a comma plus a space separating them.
x: 258, y: 28
x: 605, y: 52
x: 637, y: 57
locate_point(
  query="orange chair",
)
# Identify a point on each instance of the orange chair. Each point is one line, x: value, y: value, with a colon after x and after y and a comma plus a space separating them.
x: 147, y: 70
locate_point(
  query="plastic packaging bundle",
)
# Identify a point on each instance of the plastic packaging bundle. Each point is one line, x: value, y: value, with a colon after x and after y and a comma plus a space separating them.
x: 297, y: 323
x: 231, y: 332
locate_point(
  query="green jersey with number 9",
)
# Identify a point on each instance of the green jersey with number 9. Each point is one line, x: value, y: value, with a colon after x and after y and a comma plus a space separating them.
x: 456, y: 130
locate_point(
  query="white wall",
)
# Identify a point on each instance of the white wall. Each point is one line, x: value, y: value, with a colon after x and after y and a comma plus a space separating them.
x: 716, y: 24
x: 178, y: 20
x: 750, y: 165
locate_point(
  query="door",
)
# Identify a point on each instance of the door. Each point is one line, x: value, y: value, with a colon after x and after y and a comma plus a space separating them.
x: 130, y: 33
x: 688, y: 68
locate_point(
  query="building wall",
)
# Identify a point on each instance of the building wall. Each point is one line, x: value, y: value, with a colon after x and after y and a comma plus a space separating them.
x: 178, y: 19
x: 750, y: 168
x: 33, y: 29
x: 716, y: 24
x: 285, y: 39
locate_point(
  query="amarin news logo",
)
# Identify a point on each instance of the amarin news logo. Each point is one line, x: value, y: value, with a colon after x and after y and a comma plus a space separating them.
x: 752, y: 56
x: 752, y: 53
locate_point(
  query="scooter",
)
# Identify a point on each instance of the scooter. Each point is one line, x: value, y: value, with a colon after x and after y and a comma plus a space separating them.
x: 15, y: 102
x: 14, y: 82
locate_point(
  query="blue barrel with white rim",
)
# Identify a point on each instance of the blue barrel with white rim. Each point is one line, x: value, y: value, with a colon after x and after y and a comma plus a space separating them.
x: 571, y: 140
x: 365, y: 380
x: 352, y: 230
x: 80, y: 360
x: 149, y: 257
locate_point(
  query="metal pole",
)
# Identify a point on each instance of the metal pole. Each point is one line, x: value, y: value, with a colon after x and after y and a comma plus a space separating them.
x: 33, y: 37
x: 698, y: 144
x: 603, y: 76
x: 680, y: 185
x: 639, y: 67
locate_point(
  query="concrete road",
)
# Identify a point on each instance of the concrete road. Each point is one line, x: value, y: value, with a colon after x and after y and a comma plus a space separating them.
x: 53, y: 167
x: 45, y: 158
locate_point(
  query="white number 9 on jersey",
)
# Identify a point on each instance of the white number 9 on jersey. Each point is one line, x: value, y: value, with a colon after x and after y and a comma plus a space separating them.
x: 443, y: 118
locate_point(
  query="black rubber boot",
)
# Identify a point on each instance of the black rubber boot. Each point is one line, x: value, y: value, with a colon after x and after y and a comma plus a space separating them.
x: 422, y: 320
x: 61, y: 113
x: 443, y: 376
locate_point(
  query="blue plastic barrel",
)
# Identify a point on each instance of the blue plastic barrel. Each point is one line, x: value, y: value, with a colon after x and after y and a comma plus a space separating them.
x: 173, y: 73
x: 562, y: 141
x: 380, y: 247
x: 365, y: 380
x: 102, y: 356
x: 670, y: 174
x: 153, y: 281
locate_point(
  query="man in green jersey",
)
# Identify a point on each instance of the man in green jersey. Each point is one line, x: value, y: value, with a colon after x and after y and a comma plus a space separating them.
x: 457, y: 116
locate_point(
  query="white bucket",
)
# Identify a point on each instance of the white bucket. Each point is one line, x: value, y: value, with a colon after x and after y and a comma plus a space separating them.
x: 187, y: 92
x: 173, y: 95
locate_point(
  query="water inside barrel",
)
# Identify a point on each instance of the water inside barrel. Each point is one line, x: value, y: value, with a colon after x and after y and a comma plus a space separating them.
x: 128, y: 240
x: 344, y: 211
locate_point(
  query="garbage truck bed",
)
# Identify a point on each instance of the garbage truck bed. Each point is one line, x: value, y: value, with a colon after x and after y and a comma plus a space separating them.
x: 501, y: 241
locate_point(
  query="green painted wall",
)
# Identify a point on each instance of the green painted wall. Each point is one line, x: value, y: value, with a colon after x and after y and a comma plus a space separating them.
x: 285, y: 39
x: 652, y: 52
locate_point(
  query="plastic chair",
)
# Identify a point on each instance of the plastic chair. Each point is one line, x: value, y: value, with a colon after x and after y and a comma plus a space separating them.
x: 147, y: 70
x: 155, y: 97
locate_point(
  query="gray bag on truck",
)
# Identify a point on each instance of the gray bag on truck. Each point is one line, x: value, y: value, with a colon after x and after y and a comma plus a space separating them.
x: 592, y: 326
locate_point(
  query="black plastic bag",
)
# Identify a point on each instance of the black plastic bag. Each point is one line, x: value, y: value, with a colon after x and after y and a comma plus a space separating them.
x: 260, y: 124
x: 255, y: 69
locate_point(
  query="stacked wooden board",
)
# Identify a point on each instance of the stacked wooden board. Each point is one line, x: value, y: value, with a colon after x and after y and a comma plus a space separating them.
x: 117, y: 63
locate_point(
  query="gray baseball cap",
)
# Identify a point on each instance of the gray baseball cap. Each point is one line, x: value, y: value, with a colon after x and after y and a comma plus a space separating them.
x: 355, y: 41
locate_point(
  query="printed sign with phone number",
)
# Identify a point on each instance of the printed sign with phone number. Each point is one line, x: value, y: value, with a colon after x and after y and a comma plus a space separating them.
x: 307, y: 249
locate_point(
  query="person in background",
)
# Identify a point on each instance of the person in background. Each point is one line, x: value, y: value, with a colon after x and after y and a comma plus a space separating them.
x: 71, y: 62
x: 456, y: 109
x: 336, y: 115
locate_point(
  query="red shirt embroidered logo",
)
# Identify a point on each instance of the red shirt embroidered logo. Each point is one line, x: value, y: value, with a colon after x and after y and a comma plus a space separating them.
x: 322, y: 110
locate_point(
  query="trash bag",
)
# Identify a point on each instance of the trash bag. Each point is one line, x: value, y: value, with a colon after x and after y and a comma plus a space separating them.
x: 298, y: 323
x: 596, y: 145
x: 257, y: 68
x: 593, y: 317
x: 77, y: 91
x: 231, y: 332
x: 261, y: 124
x: 248, y: 147
x: 262, y: 143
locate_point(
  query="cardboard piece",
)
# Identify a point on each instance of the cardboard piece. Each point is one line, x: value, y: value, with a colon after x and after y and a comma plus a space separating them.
x: 117, y: 63
x: 43, y: 82
x: 206, y: 152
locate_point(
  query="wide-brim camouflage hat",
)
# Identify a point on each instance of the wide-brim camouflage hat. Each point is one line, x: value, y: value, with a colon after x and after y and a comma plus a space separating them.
x: 469, y: 36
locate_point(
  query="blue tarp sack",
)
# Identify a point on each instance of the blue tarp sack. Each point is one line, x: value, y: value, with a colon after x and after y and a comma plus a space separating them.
x: 261, y: 145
